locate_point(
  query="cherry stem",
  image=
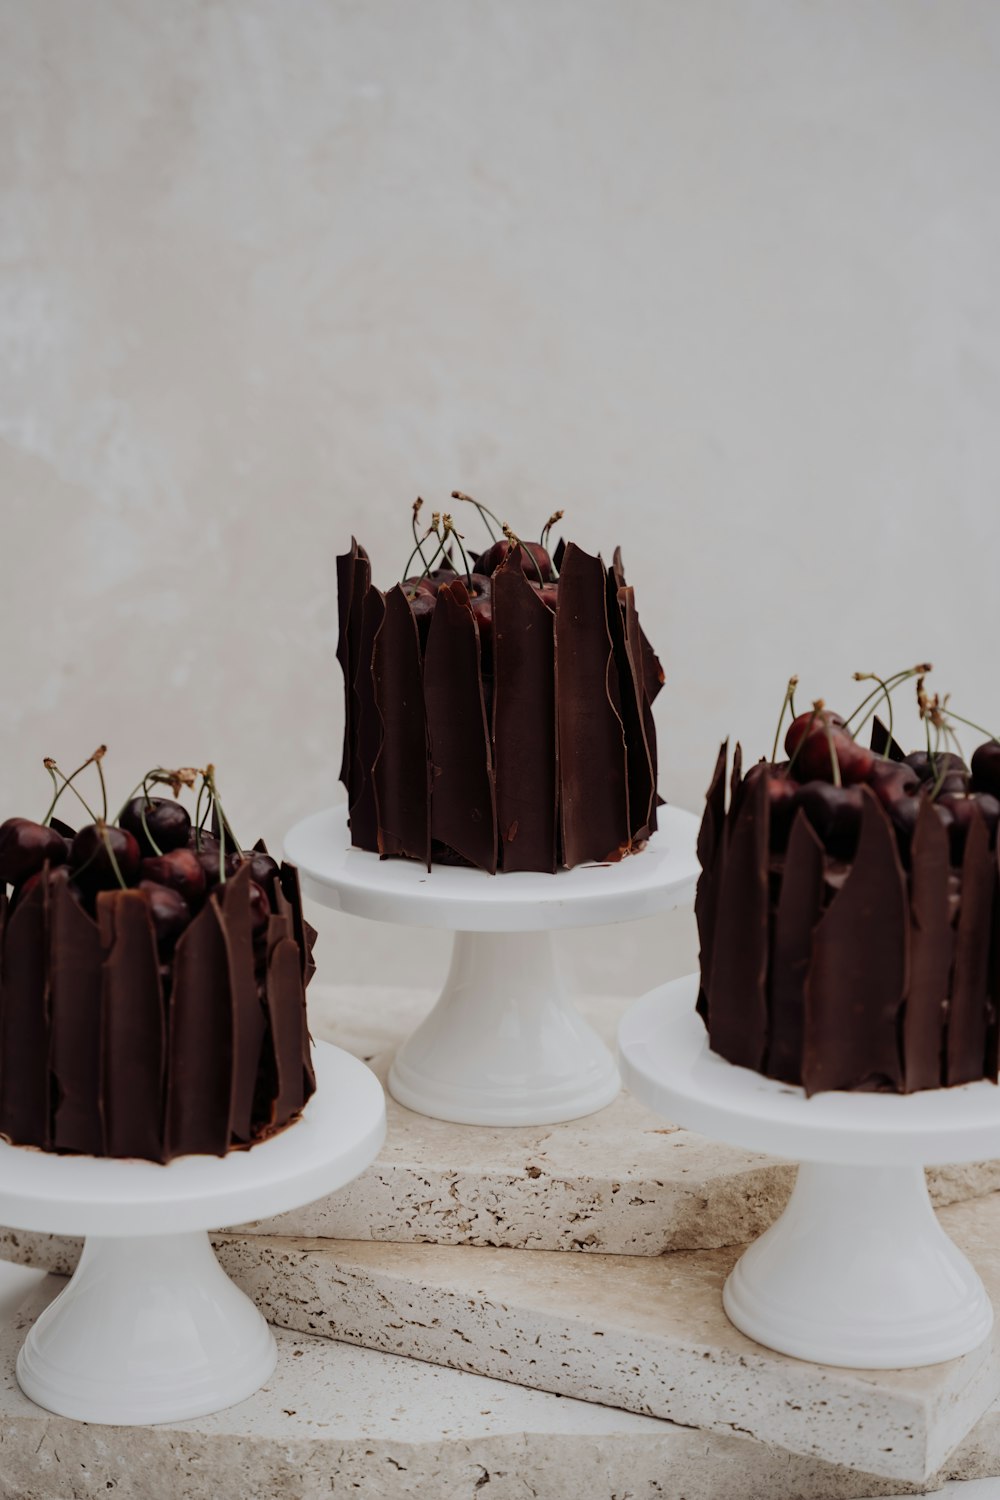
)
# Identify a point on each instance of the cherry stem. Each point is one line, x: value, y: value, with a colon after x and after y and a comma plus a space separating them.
x: 103, y: 828
x: 789, y: 696
x: 892, y: 681
x: 418, y: 502
x: 834, y: 762
x: 142, y: 815
x: 449, y: 529
x: 53, y: 771
x: 419, y: 548
x: 977, y: 727
x: 515, y: 540
x: 224, y: 824
x: 556, y: 515
x: 484, y: 512
x: 887, y: 694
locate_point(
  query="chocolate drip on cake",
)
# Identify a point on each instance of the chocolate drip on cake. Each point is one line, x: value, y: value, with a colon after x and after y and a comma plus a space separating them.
x: 402, y: 769
x: 75, y: 1025
x: 931, y: 946
x: 737, y: 989
x: 593, y: 775
x: 968, y: 1012
x: 799, y: 906
x: 524, y: 722
x: 463, y: 805
x: 132, y: 1027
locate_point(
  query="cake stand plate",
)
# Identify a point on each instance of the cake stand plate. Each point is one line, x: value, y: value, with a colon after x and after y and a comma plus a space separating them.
x: 150, y: 1328
x: 503, y: 1045
x: 857, y: 1271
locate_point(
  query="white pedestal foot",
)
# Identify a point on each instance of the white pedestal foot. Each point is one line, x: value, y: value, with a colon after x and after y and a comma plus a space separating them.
x: 858, y: 1272
x: 148, y: 1330
x: 503, y: 1045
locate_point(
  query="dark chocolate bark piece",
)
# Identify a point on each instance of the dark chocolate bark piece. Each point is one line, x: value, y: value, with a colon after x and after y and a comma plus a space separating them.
x: 629, y: 703
x: 132, y: 1028
x: 706, y: 894
x: 367, y: 728
x: 858, y: 975
x: 883, y: 742
x: 286, y: 1005
x: 75, y: 1034
x: 968, y: 1011
x: 248, y: 1019
x: 931, y: 946
x: 24, y: 1019
x: 463, y: 805
x: 402, y: 770
x: 345, y: 587
x: 524, y: 721
x: 737, y: 988
x: 650, y: 668
x: 991, y: 1067
x: 200, y: 1073
x: 593, y: 786
x: 361, y: 578
x: 647, y: 753
x: 800, y: 905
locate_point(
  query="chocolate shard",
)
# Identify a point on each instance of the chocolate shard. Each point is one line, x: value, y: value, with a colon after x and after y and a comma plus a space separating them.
x: 463, y: 803
x: 200, y: 1072
x: 132, y: 1028
x: 346, y: 563
x: 559, y: 554
x: 968, y: 1013
x: 931, y: 946
x: 707, y: 892
x: 356, y: 644
x: 368, y: 727
x: 883, y: 742
x: 593, y: 784
x: 286, y: 1005
x: 291, y: 891
x: 649, y: 664
x: 642, y: 765
x: 248, y: 1019
x: 524, y: 721
x: 737, y: 989
x: 800, y: 906
x: 991, y: 1066
x: 24, y: 1019
x: 75, y: 1031
x: 402, y: 770
x: 858, y: 974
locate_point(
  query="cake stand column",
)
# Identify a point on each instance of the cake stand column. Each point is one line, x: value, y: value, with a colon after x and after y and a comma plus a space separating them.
x: 858, y: 1271
x: 148, y: 1329
x: 504, y: 1045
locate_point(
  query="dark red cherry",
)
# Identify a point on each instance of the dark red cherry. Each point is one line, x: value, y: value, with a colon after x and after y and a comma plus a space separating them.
x: 208, y: 858
x: 809, y: 723
x: 24, y: 848
x: 260, y: 907
x: 893, y: 781
x: 986, y: 768
x: 490, y: 560
x: 91, y: 862
x: 929, y: 767
x: 181, y: 870
x: 962, y: 807
x: 835, y: 814
x: 168, y: 909
x: 264, y: 870
x: 426, y: 585
x: 548, y: 593
x: 168, y: 822
x: 422, y: 606
x: 59, y: 875
x: 814, y: 761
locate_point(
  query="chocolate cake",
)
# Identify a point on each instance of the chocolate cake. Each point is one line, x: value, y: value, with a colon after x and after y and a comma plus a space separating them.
x: 152, y: 985
x: 498, y: 717
x: 847, y: 910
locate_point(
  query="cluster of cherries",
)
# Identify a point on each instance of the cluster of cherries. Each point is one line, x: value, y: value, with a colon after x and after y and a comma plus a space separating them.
x: 827, y: 768
x: 533, y: 557
x: 153, y: 846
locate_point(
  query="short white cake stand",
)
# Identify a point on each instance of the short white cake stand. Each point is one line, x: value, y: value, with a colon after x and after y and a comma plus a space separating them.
x: 150, y: 1328
x: 503, y: 1045
x: 857, y: 1271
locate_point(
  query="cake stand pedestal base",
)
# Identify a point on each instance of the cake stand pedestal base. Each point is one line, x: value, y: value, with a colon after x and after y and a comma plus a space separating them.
x: 858, y: 1271
x: 504, y: 1045
x: 150, y: 1329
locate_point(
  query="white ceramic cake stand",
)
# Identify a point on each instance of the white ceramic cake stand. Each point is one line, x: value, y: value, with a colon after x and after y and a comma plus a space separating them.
x: 857, y: 1271
x: 503, y: 1045
x: 150, y: 1328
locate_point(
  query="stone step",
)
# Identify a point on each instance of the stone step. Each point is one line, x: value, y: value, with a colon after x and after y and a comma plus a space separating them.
x: 335, y: 1419
x: 644, y: 1334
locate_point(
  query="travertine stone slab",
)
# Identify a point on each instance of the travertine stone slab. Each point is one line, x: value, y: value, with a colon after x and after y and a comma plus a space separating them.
x: 336, y: 1419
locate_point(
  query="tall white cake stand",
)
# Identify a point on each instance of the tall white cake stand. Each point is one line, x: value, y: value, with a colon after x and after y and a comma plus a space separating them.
x: 857, y: 1271
x: 503, y: 1045
x: 150, y: 1328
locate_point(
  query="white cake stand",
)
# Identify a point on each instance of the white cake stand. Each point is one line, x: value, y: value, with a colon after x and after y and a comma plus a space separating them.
x: 150, y: 1328
x: 857, y: 1271
x: 503, y: 1045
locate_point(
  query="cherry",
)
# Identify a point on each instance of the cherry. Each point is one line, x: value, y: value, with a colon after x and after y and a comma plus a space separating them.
x: 25, y: 846
x: 548, y: 593
x: 835, y: 814
x: 426, y: 585
x: 264, y: 871
x: 893, y: 781
x: 808, y: 722
x: 181, y: 870
x: 422, y: 606
x: 962, y: 807
x: 59, y: 875
x: 91, y: 861
x: 168, y: 909
x: 782, y: 792
x: 986, y: 768
x: 928, y: 768
x: 490, y: 560
x: 208, y: 857
x: 260, y: 907
x: 168, y: 822
x: 812, y: 735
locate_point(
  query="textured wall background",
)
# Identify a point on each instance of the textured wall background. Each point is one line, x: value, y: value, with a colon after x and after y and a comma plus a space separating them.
x: 720, y: 279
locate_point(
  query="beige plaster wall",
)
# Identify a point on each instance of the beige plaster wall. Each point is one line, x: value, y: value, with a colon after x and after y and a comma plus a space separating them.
x: 719, y: 278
